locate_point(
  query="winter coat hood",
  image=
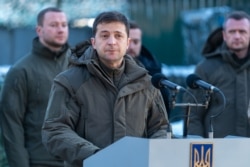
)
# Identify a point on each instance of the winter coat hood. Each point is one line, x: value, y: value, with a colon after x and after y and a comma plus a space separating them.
x: 215, y: 39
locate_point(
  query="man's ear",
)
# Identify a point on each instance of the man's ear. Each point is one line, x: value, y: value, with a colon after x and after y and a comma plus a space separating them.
x: 224, y: 35
x: 38, y: 30
x: 93, y: 42
x: 129, y: 40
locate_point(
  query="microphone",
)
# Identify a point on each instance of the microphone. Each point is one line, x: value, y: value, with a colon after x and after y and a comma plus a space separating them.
x: 159, y: 80
x: 194, y: 82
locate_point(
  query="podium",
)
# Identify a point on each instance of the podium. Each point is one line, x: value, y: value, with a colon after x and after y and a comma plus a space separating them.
x: 139, y: 152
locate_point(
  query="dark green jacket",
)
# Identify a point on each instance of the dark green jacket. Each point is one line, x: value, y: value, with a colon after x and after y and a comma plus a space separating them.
x: 3, y: 159
x: 220, y: 69
x: 24, y: 100
x: 94, y: 112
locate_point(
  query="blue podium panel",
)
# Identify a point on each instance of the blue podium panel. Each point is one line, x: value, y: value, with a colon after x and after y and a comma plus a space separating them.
x: 198, y: 152
x: 128, y: 151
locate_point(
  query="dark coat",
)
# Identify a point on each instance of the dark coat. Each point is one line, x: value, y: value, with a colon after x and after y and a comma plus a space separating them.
x: 149, y: 61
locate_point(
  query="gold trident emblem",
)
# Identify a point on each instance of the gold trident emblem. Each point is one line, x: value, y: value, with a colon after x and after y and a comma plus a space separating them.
x: 202, y: 159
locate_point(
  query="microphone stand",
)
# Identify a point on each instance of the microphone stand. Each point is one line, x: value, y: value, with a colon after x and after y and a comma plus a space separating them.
x: 188, y: 108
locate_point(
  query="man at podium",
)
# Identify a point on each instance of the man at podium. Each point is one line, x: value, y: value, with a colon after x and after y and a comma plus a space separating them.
x: 102, y: 97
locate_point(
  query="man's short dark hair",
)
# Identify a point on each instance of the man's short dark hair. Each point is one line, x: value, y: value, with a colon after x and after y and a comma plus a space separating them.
x: 133, y: 25
x: 40, y: 16
x: 108, y: 17
x: 237, y: 15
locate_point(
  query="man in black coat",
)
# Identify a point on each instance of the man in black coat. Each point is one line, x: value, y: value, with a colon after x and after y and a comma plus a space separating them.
x: 144, y: 58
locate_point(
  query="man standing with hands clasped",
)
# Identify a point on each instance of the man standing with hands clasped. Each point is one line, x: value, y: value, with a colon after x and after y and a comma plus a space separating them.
x: 26, y: 89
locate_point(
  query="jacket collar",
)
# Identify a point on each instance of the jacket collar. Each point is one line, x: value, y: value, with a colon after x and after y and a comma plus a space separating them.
x: 40, y: 50
x: 85, y: 54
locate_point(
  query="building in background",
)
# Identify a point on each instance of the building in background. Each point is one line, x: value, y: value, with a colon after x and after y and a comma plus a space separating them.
x: 162, y: 22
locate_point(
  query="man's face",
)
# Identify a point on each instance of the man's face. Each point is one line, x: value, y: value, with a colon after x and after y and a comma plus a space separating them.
x: 134, y: 48
x: 54, y: 31
x: 111, y: 42
x: 237, y: 34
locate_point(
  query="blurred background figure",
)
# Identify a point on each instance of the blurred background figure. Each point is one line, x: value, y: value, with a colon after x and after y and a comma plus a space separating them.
x: 25, y: 92
x: 141, y: 54
x: 226, y: 65
x: 144, y: 58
